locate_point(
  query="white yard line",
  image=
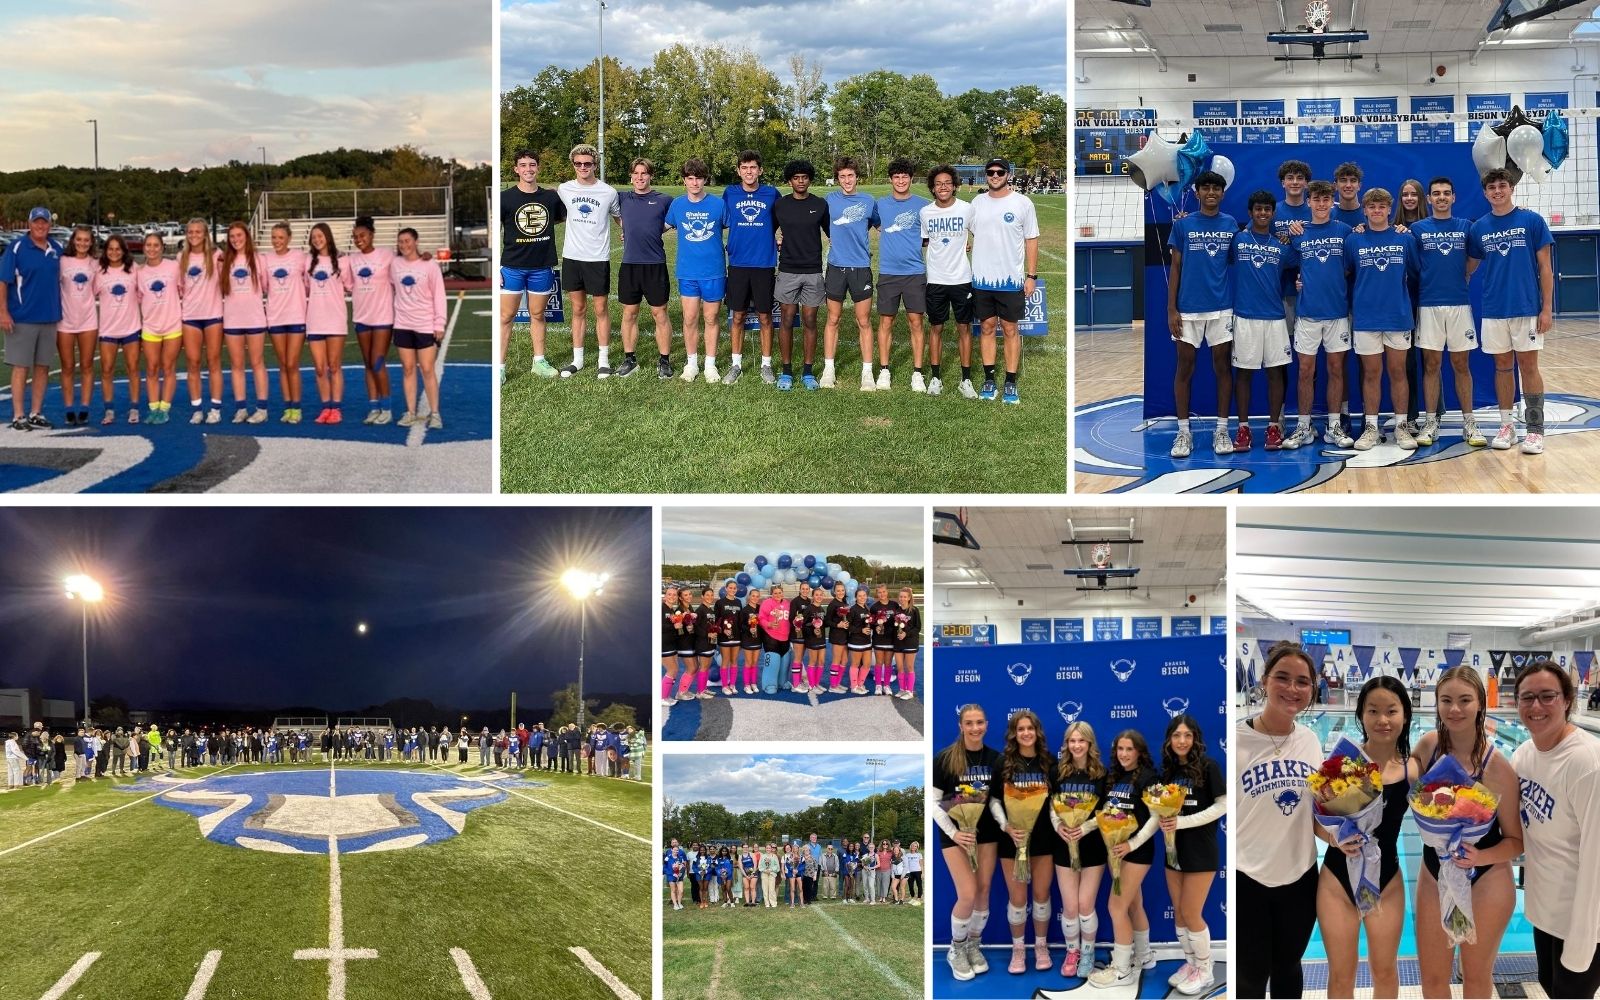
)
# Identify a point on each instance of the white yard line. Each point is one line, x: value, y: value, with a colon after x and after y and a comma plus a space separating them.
x: 75, y: 973
x: 336, y: 954
x: 108, y: 812
x: 617, y: 986
x: 202, y: 979
x: 716, y: 973
x: 419, y: 431
x: 512, y: 791
x: 469, y: 975
x: 877, y: 964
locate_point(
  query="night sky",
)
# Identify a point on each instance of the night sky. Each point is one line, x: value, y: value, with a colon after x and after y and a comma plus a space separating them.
x: 257, y: 607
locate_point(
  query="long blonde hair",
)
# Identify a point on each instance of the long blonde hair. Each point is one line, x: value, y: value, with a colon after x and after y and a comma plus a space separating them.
x: 208, y: 247
x: 1092, y: 765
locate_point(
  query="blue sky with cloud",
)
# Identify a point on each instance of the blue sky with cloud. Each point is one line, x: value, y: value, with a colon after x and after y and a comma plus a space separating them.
x: 782, y: 782
x: 717, y: 535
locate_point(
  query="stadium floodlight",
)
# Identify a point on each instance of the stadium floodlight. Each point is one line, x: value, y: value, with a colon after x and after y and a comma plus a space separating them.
x: 583, y: 584
x: 85, y: 590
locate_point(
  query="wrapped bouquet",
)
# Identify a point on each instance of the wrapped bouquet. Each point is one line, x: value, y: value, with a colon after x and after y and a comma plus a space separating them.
x: 1073, y: 809
x: 965, y: 808
x: 1347, y: 800
x: 1116, y: 827
x: 1164, y: 801
x: 1452, y: 810
x: 1023, y: 804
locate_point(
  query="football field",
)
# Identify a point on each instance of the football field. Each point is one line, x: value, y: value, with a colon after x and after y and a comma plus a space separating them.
x: 641, y: 434
x: 355, y: 879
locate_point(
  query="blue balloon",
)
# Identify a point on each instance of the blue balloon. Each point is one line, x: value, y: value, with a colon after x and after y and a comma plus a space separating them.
x: 785, y: 560
x: 743, y: 579
x: 827, y: 583
x: 810, y: 561
x: 1192, y: 157
x: 815, y: 579
x: 1556, y: 140
x: 760, y: 562
x: 741, y: 591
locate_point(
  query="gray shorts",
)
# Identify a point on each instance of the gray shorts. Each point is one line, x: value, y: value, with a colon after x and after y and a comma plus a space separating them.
x: 895, y: 288
x: 31, y: 345
x: 798, y: 289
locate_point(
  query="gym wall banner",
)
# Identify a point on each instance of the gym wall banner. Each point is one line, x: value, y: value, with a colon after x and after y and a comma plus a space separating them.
x: 1112, y: 685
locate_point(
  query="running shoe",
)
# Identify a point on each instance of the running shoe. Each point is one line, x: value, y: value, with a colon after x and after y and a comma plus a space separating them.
x: 1009, y: 394
x: 734, y: 371
x: 988, y: 390
x: 663, y: 368
x: 214, y: 415
x: 867, y: 382
x: 883, y: 379
x: 544, y: 369
x: 435, y: 421
x: 1533, y: 444
x: 1302, y: 436
x: 1505, y: 439
x: 1336, y: 436
x: 1403, y: 436
x: 198, y: 417
x: 935, y: 386
x: 1274, y: 438
x: 410, y: 419
x: 917, y: 384
x: 766, y: 374
x: 827, y: 377
x: 712, y: 378
x: 1182, y: 445
x: 1241, y: 439
x: 604, y: 371
x: 691, y: 371
x: 258, y: 415
x: 1368, y: 439
x: 39, y: 421
x: 335, y: 416
x: 1471, y: 434
x: 109, y: 418
x: 1429, y: 431
x: 967, y: 390
x: 1221, y: 443
x: 384, y: 417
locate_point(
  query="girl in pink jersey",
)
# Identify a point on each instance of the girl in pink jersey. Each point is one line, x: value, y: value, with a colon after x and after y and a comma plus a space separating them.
x: 199, y: 276
x: 372, y: 304
x: 75, y: 334
x: 326, y: 321
x: 162, y: 319
x: 244, y: 319
x: 286, y: 314
x: 118, y: 298
x: 418, y: 324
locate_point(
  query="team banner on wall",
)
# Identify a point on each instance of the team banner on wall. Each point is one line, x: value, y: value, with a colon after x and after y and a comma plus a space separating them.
x: 1185, y: 626
x: 1219, y: 624
x: 1355, y: 665
x: 1147, y: 627
x: 1132, y: 684
x: 1069, y: 630
x: 1036, y: 630
x: 1377, y: 107
x: 1106, y: 629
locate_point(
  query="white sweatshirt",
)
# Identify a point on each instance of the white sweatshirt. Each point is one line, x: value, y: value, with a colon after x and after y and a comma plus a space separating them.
x: 1275, y: 842
x: 1560, y: 827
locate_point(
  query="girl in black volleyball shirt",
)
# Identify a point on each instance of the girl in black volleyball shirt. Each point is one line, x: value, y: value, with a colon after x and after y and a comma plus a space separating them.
x: 907, y: 631
x: 1080, y: 770
x: 1026, y: 763
x: 685, y: 621
x: 1184, y: 762
x: 859, y: 640
x: 747, y: 626
x: 883, y: 612
x: 669, y: 644
x: 967, y: 761
x: 1131, y: 773
x: 814, y: 629
x: 727, y: 611
x: 839, y: 637
x: 705, y: 640
x: 799, y: 611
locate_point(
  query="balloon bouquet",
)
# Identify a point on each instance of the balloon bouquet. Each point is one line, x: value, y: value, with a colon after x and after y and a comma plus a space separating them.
x: 1522, y: 146
x: 766, y: 570
x: 1169, y: 170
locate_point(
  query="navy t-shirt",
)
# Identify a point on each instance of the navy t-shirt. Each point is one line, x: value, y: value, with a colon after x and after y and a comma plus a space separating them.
x: 1258, y: 265
x: 1324, y: 271
x: 1206, y: 284
x: 1442, y: 258
x: 752, y: 240
x: 1509, y: 247
x: 643, y: 221
x: 1385, y: 264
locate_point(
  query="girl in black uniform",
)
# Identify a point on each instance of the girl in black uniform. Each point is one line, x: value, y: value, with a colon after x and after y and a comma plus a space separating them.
x: 727, y: 611
x: 1462, y: 710
x: 1080, y: 770
x: 684, y: 624
x: 859, y: 640
x: 838, y: 637
x: 814, y: 628
x: 1184, y: 762
x: 906, y: 627
x: 705, y: 640
x: 746, y: 626
x: 1131, y: 773
x: 883, y: 611
x: 1384, y: 710
x: 966, y: 761
x: 1026, y: 763
x: 669, y: 643
x: 799, y: 611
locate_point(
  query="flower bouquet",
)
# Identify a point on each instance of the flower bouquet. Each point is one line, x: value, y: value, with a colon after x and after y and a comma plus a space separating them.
x: 1347, y: 800
x: 1072, y: 810
x: 1116, y: 827
x: 1167, y: 800
x: 1023, y: 805
x: 965, y: 807
x: 677, y: 620
x: 1451, y: 810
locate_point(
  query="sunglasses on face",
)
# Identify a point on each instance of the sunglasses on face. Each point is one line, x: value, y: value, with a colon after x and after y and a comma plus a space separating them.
x: 995, y: 173
x: 583, y: 163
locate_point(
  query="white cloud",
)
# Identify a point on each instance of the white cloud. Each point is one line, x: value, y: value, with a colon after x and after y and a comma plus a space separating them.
x: 782, y: 783
x: 734, y: 534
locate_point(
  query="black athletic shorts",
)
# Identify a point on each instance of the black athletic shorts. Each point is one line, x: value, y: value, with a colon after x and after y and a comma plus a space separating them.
x: 591, y: 276
x: 413, y: 340
x: 857, y: 281
x: 750, y: 289
x: 945, y: 299
x: 1006, y: 306
x: 642, y: 281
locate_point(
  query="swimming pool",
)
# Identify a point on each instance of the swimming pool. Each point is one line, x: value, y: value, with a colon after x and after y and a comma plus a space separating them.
x: 1507, y: 734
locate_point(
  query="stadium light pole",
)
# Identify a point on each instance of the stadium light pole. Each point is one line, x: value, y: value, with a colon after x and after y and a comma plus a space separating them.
x: 96, y: 123
x: 600, y: 21
x: 582, y: 585
x: 875, y: 763
x: 86, y: 591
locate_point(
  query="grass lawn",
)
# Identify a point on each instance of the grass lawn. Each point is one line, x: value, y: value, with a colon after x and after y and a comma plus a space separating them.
x: 642, y: 435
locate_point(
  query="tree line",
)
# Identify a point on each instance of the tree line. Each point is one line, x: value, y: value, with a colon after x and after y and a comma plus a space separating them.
x: 711, y: 103
x: 899, y: 816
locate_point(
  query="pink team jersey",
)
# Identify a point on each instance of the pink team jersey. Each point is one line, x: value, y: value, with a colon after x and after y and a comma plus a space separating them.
x: 418, y: 295
x: 286, y: 288
x: 202, y: 293
x: 159, y: 300
x: 366, y: 275
x: 118, y: 295
x: 242, y: 307
x: 77, y: 294
x: 325, y: 312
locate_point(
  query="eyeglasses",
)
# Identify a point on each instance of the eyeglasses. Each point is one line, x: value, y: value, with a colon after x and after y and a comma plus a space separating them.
x: 995, y: 173
x: 1545, y: 698
x: 583, y: 163
x: 1299, y: 683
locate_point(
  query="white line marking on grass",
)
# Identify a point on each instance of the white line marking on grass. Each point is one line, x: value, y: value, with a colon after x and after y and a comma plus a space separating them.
x: 512, y: 791
x: 202, y: 979
x: 108, y: 812
x: 64, y: 984
x: 716, y: 973
x: 872, y: 960
x: 419, y: 431
x: 469, y: 975
x: 604, y: 974
x: 336, y: 954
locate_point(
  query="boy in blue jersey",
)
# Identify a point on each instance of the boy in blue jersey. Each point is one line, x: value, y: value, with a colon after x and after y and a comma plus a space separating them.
x: 1512, y: 245
x: 1385, y: 263
x: 699, y: 218
x: 1293, y: 175
x: 902, y: 276
x: 1260, y: 330
x: 1200, y: 307
x: 1322, y: 320
x: 851, y: 214
x: 1444, y: 318
x: 752, y: 256
x: 1351, y: 210
x: 643, y: 275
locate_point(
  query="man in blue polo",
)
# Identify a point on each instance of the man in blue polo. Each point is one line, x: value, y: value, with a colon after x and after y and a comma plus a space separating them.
x: 752, y: 256
x: 30, y: 308
x: 851, y: 214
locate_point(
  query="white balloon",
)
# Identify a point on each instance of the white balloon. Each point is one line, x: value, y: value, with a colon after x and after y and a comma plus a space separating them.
x: 1488, y: 150
x: 1525, y: 147
x: 1156, y: 163
x: 1224, y: 166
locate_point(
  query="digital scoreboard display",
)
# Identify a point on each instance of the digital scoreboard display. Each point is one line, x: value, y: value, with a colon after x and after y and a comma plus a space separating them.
x: 1104, y: 138
x: 1325, y: 637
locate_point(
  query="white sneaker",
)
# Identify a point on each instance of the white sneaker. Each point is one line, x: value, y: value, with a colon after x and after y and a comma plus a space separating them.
x: 1199, y: 980
x: 935, y: 386
x: 668, y: 702
x: 975, y: 957
x: 1182, y: 445
x: 198, y: 417
x: 685, y: 696
x: 691, y: 371
x: 826, y: 381
x: 1368, y: 439
x: 712, y: 378
x: 836, y: 689
x: 1471, y: 434
x: 916, y: 382
x: 1505, y: 439
x: 705, y: 695
x: 1221, y: 440
x: 883, y: 378
x: 1303, y: 435
x: 967, y: 390
x: 1403, y: 436
x: 1184, y: 972
x: 1145, y: 959
x: 1429, y: 432
x: 801, y: 688
x: 1336, y: 436
x: 1111, y: 976
x: 867, y: 384
x: 905, y: 696
x: 1533, y: 444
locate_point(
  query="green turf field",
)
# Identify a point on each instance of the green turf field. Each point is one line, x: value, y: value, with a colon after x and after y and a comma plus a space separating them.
x: 642, y: 435
x: 515, y: 891
x: 829, y: 950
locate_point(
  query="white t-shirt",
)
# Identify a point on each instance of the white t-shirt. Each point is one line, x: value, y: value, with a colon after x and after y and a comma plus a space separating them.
x: 999, y: 227
x: 1274, y: 836
x: 590, y: 209
x: 946, y: 230
x: 1560, y: 825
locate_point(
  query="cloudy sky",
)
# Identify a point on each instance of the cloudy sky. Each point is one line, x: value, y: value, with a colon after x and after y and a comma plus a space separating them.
x: 716, y: 535
x: 963, y: 45
x: 176, y: 83
x: 786, y: 783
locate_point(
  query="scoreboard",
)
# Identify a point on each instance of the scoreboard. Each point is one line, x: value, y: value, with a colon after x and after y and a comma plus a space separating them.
x: 1105, y: 137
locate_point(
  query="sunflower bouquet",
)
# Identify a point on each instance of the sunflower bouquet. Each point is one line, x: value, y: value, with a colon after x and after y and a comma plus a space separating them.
x: 1116, y: 827
x: 1023, y: 804
x: 1347, y: 801
x: 965, y: 807
x: 1072, y: 810
x: 1452, y: 810
x: 1164, y: 801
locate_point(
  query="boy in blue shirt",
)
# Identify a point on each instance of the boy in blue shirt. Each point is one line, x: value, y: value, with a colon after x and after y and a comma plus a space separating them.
x: 752, y: 258
x: 699, y: 218
x: 1322, y: 321
x: 850, y: 214
x: 1444, y: 318
x: 1512, y: 245
x: 1351, y: 210
x: 1200, y: 307
x: 902, y: 276
x: 1385, y: 263
x: 1260, y: 329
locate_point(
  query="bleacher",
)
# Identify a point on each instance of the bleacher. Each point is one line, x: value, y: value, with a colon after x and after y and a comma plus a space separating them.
x: 427, y: 210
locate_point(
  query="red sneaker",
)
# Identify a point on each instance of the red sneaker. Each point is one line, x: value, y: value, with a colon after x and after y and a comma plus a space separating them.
x: 1274, y: 437
x: 322, y: 417
x: 335, y: 416
x: 1241, y: 440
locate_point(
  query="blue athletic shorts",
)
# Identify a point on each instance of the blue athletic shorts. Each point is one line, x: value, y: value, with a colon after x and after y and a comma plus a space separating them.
x: 538, y: 280
x: 704, y: 289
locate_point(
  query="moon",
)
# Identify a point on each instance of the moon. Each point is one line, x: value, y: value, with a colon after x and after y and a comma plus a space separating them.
x: 361, y: 628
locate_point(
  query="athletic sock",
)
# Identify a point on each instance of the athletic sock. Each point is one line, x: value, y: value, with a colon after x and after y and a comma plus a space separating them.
x: 935, y: 369
x: 1183, y: 426
x: 988, y: 373
x: 605, y: 356
x: 738, y: 361
x: 666, y: 688
x: 1141, y: 942
x: 866, y: 368
x: 794, y: 675
x: 910, y: 681
x: 958, y: 928
x: 837, y: 673
x: 806, y: 369
x: 577, y: 357
x: 827, y: 364
x: 1372, y: 420
x: 966, y: 373
x: 700, y: 681
x: 766, y: 361
x: 1069, y: 931
x: 788, y: 369
x: 1200, y: 944
x: 1011, y: 378
x: 683, y: 685
x: 1505, y: 416
x: 1183, y: 940
x: 694, y: 360
x: 1122, y: 958
x: 975, y: 925
x: 1304, y: 422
